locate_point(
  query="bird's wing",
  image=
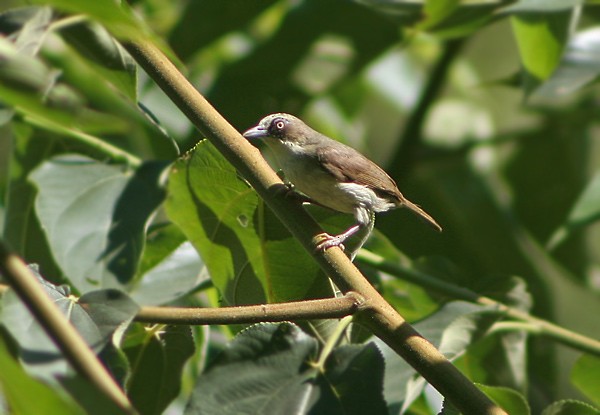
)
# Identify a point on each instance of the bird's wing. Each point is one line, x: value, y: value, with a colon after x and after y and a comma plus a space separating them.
x: 348, y: 165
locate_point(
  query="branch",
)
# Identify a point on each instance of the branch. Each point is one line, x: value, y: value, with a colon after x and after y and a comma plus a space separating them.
x: 535, y: 325
x: 379, y: 316
x: 297, y: 310
x: 64, y: 335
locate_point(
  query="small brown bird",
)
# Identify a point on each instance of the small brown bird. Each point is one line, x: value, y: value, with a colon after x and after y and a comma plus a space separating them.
x: 332, y: 174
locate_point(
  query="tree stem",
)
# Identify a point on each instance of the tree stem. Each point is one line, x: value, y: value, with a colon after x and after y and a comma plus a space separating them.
x: 53, y: 321
x: 379, y: 316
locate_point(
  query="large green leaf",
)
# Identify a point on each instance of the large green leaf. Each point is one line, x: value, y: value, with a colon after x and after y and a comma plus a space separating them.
x: 250, y: 256
x: 541, y: 39
x: 410, y: 300
x: 94, y: 216
x: 26, y: 27
x: 117, y: 17
x: 96, y: 315
x: 267, y: 369
x: 585, y: 375
x: 28, y: 85
x: 570, y: 407
x: 111, y: 60
x: 579, y: 66
x: 169, y: 269
x: 157, y: 363
x: 25, y: 395
x: 22, y: 229
x: 510, y: 400
x: 451, y: 329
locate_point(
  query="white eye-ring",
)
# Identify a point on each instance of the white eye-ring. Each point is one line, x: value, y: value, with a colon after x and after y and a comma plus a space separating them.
x: 280, y: 125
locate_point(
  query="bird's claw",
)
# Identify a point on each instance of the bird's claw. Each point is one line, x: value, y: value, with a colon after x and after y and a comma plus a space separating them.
x: 325, y: 241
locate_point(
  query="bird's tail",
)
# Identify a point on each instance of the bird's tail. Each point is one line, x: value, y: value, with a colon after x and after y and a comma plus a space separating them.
x: 417, y: 209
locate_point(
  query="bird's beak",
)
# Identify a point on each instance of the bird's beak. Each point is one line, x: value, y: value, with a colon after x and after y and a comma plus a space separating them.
x: 256, y: 132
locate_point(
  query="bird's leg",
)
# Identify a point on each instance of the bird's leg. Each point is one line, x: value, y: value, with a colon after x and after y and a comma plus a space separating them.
x: 327, y: 241
x: 369, y: 228
x: 366, y: 220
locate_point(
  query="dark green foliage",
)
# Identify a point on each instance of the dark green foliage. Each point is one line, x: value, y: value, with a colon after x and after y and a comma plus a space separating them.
x: 95, y: 193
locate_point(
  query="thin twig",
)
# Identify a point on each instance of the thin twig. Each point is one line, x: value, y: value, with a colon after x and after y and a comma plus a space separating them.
x: 298, y: 310
x: 543, y: 327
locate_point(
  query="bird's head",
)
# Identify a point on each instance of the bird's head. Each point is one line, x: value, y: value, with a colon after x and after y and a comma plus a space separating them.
x: 281, y: 126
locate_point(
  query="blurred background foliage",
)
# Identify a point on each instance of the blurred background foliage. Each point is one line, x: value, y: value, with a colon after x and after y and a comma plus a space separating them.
x: 485, y: 112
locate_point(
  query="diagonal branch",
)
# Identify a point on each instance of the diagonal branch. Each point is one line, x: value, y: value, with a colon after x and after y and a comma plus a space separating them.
x: 379, y: 316
x: 66, y: 337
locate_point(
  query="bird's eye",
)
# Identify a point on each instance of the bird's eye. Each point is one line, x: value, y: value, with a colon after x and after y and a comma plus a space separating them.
x: 279, y: 125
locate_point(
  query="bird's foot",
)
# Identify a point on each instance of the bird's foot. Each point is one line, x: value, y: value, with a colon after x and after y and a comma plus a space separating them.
x: 325, y: 241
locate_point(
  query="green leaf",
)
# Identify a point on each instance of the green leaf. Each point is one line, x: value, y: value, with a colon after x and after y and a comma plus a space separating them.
x: 112, y: 62
x: 354, y: 373
x: 26, y: 27
x: 451, y: 329
x: 96, y: 316
x: 510, y: 400
x: 579, y: 67
x: 157, y: 365
x: 22, y: 230
x: 541, y: 6
x: 18, y: 390
x: 267, y: 369
x: 411, y: 300
x: 169, y: 269
x: 570, y: 407
x: 436, y: 11
x: 88, y: 396
x: 585, y: 375
x: 116, y: 16
x: 246, y: 249
x: 21, y: 73
x: 541, y: 39
x: 586, y: 210
x: 28, y: 85
x: 94, y: 216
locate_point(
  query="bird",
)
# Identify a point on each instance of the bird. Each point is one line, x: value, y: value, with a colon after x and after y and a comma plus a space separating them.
x: 333, y: 175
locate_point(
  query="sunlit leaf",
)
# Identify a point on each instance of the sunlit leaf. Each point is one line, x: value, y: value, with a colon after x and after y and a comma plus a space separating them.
x: 247, y: 250
x: 94, y: 216
x: 578, y: 67
x: 541, y: 39
x: 585, y: 375
x: 508, y: 399
x: 18, y: 389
